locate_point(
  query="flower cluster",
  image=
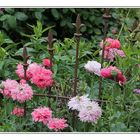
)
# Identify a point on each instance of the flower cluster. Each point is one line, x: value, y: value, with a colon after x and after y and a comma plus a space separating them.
x: 89, y: 111
x: 114, y: 74
x: 37, y: 74
x: 93, y: 67
x: 19, y: 112
x: 110, y: 72
x: 17, y: 91
x: 44, y: 115
x: 112, y: 48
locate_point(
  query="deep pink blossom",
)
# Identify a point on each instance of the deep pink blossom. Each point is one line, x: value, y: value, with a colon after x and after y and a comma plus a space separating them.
x: 111, y: 43
x: 38, y: 75
x: 19, y: 112
x: 113, y: 73
x: 57, y: 124
x: 43, y: 78
x: 42, y: 114
x: 47, y: 62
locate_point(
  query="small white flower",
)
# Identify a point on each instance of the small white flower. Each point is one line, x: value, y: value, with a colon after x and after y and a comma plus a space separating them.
x: 93, y: 67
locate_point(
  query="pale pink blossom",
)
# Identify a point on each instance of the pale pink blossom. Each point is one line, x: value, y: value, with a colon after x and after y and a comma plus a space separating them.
x: 110, y: 54
x: 8, y: 86
x: 119, y: 52
x: 57, y: 124
x: 76, y: 103
x: 22, y: 81
x: 19, y: 112
x: 93, y: 67
x: 22, y: 93
x: 42, y: 114
x: 90, y: 113
x: 137, y: 91
x: 33, y: 69
x: 17, y: 91
x: 20, y: 72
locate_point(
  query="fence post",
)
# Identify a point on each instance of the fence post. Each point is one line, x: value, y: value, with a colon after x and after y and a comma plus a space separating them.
x: 50, y: 40
x: 25, y: 66
x: 106, y: 18
x: 77, y: 36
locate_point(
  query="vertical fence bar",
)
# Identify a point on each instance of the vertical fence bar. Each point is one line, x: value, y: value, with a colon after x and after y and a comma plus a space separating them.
x: 106, y: 18
x: 50, y: 40
x: 25, y: 66
x: 77, y: 36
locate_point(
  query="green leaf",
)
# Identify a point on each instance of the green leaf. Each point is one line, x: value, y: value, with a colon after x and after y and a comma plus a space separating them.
x: 97, y: 31
x: 72, y: 10
x: 118, y: 127
x: 38, y: 15
x: 4, y: 17
x: 8, y: 41
x: 65, y: 10
x: 9, y: 10
x: 92, y: 18
x: 2, y: 53
x: 1, y: 38
x: 55, y: 13
x: 29, y: 50
x: 46, y: 29
x: 21, y: 16
x: 11, y: 21
x: 63, y: 23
